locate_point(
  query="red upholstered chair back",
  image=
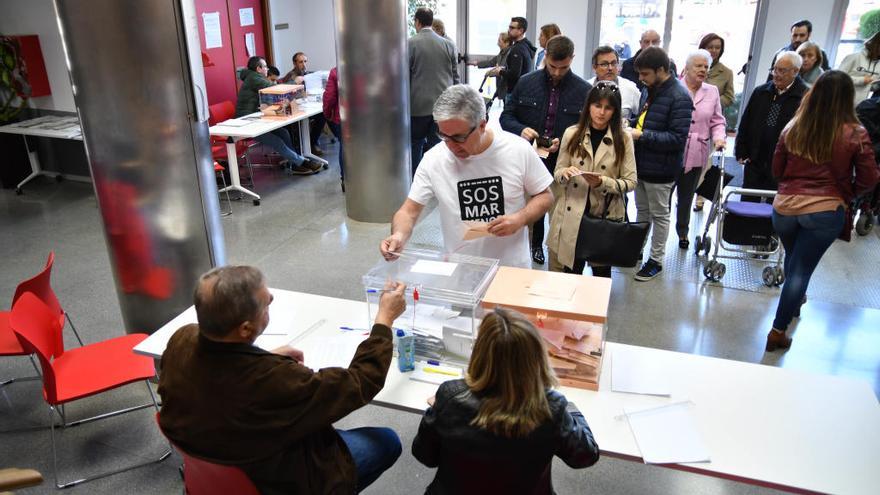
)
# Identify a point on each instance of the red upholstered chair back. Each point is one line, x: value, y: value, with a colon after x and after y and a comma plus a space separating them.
x: 219, y: 112
x: 39, y: 331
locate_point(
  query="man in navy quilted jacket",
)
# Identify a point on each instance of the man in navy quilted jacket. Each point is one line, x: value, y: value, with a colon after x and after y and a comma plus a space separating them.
x: 660, y: 132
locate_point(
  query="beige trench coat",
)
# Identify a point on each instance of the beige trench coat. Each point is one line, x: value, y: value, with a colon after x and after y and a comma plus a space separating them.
x: 571, y: 195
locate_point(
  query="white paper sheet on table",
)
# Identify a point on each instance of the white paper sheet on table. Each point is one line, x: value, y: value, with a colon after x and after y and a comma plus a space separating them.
x: 443, y: 268
x: 667, y: 434
x: 633, y: 375
x: 211, y: 20
x: 335, y: 351
x: 314, y: 82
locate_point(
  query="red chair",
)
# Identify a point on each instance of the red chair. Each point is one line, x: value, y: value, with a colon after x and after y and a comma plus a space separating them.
x: 201, y: 477
x: 218, y: 170
x: 80, y: 372
x: 40, y: 286
x: 217, y: 113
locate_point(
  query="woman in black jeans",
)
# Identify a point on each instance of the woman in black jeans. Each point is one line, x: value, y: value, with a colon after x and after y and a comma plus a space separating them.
x: 823, y: 160
x: 497, y: 430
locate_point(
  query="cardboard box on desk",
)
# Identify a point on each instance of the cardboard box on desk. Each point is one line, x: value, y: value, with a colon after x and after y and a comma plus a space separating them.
x: 279, y: 101
x: 569, y: 311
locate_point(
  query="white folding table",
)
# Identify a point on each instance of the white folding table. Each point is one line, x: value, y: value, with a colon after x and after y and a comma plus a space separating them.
x: 773, y: 427
x: 51, y: 126
x: 259, y: 126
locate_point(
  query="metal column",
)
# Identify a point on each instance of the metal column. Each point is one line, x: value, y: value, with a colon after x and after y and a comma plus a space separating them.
x: 374, y: 106
x: 138, y: 86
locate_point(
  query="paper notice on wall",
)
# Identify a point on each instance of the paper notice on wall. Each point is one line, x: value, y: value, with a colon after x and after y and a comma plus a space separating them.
x: 211, y: 20
x: 246, y: 17
x: 250, y: 44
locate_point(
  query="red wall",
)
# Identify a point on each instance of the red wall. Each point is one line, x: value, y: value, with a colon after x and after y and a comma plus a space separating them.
x: 220, y: 78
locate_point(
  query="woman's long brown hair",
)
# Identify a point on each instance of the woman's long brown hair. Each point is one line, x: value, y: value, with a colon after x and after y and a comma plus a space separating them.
x: 603, y: 90
x: 510, y: 372
x: 820, y: 119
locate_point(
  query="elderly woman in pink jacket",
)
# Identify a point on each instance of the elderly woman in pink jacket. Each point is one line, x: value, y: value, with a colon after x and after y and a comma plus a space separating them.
x: 707, y: 133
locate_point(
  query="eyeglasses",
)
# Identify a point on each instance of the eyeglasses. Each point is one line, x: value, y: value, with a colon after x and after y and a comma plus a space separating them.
x: 607, y: 85
x: 606, y: 65
x: 459, y: 138
x: 782, y: 72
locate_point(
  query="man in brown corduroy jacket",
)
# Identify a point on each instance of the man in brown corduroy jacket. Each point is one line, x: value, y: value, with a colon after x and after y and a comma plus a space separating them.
x: 227, y: 401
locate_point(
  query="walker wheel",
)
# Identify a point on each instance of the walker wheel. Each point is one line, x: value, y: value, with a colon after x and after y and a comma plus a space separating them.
x: 59, y: 178
x: 865, y: 223
x: 707, y: 245
x: 256, y: 202
x: 720, y: 270
x: 18, y: 191
x: 768, y: 275
x: 780, y: 276
x: 698, y: 245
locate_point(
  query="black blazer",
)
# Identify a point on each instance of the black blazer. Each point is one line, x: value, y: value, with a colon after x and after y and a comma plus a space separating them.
x: 751, y: 125
x: 528, y: 103
x: 472, y: 460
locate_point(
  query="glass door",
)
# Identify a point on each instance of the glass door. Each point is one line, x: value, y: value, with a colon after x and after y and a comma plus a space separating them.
x: 486, y: 19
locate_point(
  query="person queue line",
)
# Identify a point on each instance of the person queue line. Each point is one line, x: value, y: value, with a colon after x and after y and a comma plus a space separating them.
x: 575, y: 145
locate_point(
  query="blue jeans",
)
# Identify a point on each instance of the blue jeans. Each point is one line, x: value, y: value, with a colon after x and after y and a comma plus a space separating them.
x: 336, y: 129
x: 279, y: 140
x: 805, y: 238
x: 374, y: 450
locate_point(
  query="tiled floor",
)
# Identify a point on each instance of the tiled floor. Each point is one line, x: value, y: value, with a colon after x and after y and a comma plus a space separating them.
x: 302, y: 239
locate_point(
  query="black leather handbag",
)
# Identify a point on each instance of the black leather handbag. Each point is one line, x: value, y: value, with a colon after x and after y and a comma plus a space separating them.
x: 709, y: 186
x: 609, y: 242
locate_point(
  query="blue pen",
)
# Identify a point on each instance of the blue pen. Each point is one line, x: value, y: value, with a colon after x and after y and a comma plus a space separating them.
x: 350, y: 329
x: 433, y: 362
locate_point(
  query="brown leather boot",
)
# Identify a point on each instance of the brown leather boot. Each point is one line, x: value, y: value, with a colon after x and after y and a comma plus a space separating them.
x: 777, y: 340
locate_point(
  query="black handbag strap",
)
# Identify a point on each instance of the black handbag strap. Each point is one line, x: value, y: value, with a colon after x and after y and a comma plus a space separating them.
x: 609, y: 199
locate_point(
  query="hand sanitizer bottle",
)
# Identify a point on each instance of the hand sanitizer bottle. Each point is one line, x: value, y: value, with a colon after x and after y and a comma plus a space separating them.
x: 406, y: 351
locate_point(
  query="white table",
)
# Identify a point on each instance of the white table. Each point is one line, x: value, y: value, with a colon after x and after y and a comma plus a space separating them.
x: 51, y: 126
x: 260, y: 126
x: 766, y: 426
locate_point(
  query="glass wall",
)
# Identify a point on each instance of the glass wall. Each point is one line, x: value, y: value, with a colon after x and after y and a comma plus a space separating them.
x: 624, y: 21
x: 850, y: 40
x: 731, y: 19
x: 486, y: 19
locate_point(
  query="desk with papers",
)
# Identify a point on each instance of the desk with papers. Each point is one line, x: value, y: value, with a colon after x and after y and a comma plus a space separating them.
x: 49, y: 126
x: 762, y: 425
x: 253, y: 125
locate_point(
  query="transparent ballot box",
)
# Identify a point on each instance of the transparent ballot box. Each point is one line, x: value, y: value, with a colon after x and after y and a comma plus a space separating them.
x: 568, y: 310
x: 444, y: 314
x: 278, y: 101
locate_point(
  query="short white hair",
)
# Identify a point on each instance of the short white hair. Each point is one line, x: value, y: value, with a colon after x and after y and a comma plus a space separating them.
x: 698, y: 53
x: 460, y: 101
x: 792, y: 57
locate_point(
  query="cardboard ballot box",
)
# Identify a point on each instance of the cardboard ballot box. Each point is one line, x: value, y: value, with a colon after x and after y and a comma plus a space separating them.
x: 278, y: 101
x: 568, y: 310
x: 446, y: 314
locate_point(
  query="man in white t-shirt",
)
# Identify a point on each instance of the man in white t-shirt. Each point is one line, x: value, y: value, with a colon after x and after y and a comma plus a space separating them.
x: 488, y: 185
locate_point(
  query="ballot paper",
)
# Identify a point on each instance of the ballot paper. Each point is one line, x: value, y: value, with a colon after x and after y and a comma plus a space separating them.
x: 633, y: 375
x: 442, y: 268
x: 475, y: 230
x: 429, y: 318
x: 335, y: 350
x: 667, y: 434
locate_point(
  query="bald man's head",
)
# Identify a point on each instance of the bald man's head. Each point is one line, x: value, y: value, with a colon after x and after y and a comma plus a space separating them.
x: 650, y: 38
